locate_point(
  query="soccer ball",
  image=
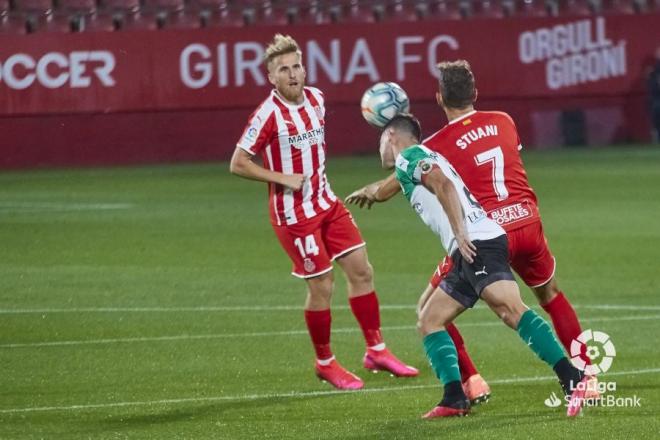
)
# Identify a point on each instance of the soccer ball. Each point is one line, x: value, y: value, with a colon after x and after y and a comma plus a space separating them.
x: 383, y: 101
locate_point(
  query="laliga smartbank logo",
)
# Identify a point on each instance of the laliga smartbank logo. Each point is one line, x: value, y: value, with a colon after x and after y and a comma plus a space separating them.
x: 599, y: 350
x: 593, y: 352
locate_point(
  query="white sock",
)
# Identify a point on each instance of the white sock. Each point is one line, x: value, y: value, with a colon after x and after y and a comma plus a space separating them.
x: 325, y: 362
x: 378, y: 347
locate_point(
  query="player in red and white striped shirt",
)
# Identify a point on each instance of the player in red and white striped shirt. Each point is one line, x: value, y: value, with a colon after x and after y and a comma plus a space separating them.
x: 288, y: 131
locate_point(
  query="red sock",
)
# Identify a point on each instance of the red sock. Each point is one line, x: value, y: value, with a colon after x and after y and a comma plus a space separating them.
x: 465, y: 363
x: 318, y: 325
x: 366, y: 311
x: 564, y: 320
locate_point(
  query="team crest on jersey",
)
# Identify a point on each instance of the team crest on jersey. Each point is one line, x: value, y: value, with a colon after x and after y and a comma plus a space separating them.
x: 418, y: 208
x: 425, y: 166
x: 309, y: 265
x: 319, y: 112
x: 251, y: 134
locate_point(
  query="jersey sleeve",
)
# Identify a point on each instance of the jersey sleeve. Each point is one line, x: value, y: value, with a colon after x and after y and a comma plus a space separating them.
x: 319, y: 99
x: 258, y: 132
x: 514, y: 129
x: 412, y: 163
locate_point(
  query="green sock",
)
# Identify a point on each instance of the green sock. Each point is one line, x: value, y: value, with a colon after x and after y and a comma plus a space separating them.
x: 536, y: 333
x: 441, y: 353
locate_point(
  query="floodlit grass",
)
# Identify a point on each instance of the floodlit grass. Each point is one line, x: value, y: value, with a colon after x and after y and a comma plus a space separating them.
x: 155, y: 302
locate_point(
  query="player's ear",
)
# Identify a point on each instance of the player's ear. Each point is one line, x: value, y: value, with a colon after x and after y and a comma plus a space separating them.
x: 438, y: 98
x: 271, y: 78
x: 476, y: 94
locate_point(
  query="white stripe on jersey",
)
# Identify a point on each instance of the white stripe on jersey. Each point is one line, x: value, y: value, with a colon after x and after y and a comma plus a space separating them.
x: 307, y: 165
x: 316, y: 124
x: 287, y: 168
x: 269, y: 155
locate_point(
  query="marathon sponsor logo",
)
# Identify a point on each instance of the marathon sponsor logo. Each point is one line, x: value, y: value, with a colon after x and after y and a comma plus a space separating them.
x: 511, y: 213
x: 575, y: 53
x: 476, y: 134
x: 307, y: 139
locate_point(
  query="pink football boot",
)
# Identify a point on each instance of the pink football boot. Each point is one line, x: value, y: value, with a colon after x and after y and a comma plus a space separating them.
x: 384, y: 360
x: 476, y: 389
x: 338, y: 376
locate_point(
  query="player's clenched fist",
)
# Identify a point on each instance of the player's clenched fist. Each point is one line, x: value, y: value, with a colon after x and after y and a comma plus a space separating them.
x: 293, y: 181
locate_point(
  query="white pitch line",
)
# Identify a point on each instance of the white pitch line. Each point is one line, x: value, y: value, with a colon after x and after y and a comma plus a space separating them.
x: 272, y: 308
x: 50, y: 206
x: 493, y: 323
x: 292, y: 394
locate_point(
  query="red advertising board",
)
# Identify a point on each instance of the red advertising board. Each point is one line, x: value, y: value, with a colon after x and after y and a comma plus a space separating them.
x: 524, y: 60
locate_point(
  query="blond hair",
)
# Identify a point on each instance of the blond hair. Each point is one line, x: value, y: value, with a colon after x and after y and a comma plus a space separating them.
x: 281, y: 44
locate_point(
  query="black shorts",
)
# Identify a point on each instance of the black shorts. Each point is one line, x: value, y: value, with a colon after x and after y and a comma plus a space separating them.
x: 465, y: 281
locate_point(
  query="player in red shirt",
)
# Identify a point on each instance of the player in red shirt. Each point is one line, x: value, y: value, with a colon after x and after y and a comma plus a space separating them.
x: 484, y: 149
x: 312, y: 225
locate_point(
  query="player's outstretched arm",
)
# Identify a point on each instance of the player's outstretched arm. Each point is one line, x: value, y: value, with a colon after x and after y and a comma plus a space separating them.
x: 436, y: 182
x: 380, y: 191
x: 241, y: 164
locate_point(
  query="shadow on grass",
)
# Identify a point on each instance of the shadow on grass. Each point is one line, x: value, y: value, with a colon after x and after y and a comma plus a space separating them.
x: 157, y: 416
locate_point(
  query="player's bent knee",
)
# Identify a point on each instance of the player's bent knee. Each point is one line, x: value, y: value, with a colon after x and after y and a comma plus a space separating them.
x: 364, y: 274
x: 547, y: 292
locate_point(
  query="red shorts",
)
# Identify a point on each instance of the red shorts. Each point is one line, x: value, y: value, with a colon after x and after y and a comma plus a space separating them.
x: 314, y: 244
x: 529, y: 256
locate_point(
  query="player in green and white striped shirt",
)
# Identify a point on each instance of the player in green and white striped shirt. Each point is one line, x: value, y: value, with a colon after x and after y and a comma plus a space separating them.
x: 479, y: 250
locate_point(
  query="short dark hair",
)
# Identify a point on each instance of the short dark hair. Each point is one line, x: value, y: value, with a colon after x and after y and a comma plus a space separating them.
x: 406, y: 122
x: 456, y: 83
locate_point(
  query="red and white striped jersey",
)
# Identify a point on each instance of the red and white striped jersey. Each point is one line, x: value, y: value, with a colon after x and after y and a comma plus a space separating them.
x: 291, y: 140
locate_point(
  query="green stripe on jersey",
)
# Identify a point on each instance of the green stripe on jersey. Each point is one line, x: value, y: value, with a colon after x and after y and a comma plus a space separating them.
x: 409, y: 165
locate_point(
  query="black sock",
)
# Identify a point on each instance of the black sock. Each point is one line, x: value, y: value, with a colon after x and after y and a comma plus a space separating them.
x: 568, y: 375
x: 454, y: 396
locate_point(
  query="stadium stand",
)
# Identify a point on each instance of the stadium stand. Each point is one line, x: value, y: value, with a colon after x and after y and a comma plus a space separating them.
x: 39, y: 16
x: 172, y: 14
x: 84, y: 17
x: 28, y: 16
x: 531, y: 8
x: 217, y: 13
x: 9, y: 23
x: 445, y: 10
x: 128, y: 14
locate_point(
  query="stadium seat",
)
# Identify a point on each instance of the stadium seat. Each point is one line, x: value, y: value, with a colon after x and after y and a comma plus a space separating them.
x: 531, y: 8
x: 354, y: 12
x: 127, y: 14
x: 486, y: 9
x: 9, y: 23
x: 217, y: 13
x: 83, y: 16
x: 400, y: 10
x: 171, y: 14
x: 444, y: 10
x: 180, y: 19
x: 574, y: 7
x: 39, y: 17
x: 311, y: 12
x: 618, y: 7
x: 268, y: 14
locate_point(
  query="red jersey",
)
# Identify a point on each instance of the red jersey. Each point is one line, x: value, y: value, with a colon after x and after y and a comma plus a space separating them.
x: 484, y: 149
x: 290, y: 139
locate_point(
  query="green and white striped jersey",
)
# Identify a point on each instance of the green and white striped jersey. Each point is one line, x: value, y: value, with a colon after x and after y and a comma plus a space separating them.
x: 417, y: 160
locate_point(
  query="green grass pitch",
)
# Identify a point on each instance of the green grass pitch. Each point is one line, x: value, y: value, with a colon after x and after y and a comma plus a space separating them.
x: 155, y: 302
